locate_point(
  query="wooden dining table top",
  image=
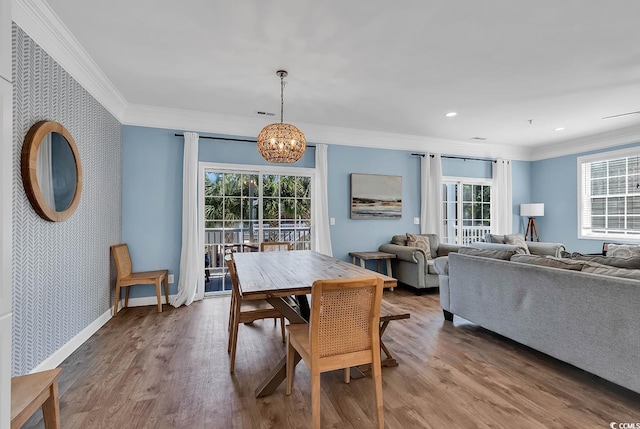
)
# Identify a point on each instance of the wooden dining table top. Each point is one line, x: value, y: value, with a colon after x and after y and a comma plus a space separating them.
x: 275, y: 274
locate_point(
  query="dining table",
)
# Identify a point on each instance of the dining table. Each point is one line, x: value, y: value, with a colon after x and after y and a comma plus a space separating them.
x: 277, y: 276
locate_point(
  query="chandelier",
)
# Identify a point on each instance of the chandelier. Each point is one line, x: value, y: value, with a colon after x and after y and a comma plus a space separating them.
x: 280, y: 142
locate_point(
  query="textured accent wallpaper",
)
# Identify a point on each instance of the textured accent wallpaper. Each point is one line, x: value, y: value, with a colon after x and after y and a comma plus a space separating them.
x: 62, y: 273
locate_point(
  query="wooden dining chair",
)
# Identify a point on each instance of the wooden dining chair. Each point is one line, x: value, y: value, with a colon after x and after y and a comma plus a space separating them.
x: 275, y: 246
x: 127, y: 278
x: 343, y: 332
x: 245, y: 311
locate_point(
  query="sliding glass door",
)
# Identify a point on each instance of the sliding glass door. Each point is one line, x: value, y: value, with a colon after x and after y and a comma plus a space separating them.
x: 243, y: 207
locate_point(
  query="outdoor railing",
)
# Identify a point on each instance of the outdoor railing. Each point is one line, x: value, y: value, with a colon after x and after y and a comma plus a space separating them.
x: 470, y: 234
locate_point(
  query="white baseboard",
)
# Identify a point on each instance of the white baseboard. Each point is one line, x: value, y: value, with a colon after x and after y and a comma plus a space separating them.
x: 143, y: 300
x: 72, y: 345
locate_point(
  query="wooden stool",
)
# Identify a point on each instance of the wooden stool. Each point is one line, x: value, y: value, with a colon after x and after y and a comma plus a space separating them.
x: 29, y: 392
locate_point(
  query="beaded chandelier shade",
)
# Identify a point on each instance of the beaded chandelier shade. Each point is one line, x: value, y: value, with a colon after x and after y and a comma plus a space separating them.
x: 280, y: 142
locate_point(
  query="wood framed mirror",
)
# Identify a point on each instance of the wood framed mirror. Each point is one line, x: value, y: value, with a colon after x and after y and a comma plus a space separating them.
x: 51, y: 171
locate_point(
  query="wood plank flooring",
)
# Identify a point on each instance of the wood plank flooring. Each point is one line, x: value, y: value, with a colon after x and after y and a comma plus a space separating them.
x: 146, y: 369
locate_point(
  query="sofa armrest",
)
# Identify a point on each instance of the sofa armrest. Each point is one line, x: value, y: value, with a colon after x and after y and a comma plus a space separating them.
x: 545, y: 249
x: 444, y: 249
x: 404, y: 253
x: 441, y: 265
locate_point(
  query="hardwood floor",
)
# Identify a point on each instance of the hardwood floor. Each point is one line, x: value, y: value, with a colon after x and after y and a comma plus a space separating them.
x: 146, y: 369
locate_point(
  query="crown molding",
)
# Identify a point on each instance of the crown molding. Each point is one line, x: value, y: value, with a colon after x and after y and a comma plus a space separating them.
x: 188, y: 120
x: 619, y: 137
x: 41, y: 23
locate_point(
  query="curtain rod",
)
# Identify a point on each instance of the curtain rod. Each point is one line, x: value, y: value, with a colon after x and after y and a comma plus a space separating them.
x: 229, y: 139
x: 464, y: 158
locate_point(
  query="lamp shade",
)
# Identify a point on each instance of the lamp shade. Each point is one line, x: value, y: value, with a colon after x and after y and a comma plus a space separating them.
x: 532, y: 209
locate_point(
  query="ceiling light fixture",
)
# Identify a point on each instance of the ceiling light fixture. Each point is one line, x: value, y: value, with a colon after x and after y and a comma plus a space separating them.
x: 451, y: 114
x: 280, y: 142
x: 560, y: 129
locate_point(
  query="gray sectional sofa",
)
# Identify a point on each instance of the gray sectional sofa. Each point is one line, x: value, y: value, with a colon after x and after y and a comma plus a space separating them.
x: 591, y: 321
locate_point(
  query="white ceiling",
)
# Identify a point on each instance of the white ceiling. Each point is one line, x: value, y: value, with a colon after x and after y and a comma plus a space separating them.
x: 390, y: 67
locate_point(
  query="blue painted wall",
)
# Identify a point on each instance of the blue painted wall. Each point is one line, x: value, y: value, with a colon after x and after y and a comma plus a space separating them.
x: 454, y: 167
x: 152, y: 193
x: 521, y: 192
x: 554, y: 182
x: 349, y: 235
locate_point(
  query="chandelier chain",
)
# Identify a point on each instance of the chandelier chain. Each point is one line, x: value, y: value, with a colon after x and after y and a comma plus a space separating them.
x: 281, y: 98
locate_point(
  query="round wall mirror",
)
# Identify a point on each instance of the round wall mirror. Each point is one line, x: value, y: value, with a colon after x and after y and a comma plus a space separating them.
x: 51, y: 171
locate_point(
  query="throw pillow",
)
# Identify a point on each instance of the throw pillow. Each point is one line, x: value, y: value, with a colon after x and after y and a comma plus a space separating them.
x: 623, y: 250
x: 494, y: 238
x: 487, y: 253
x: 414, y: 240
x: 549, y: 261
x: 612, y: 261
x: 517, y: 240
x: 400, y: 240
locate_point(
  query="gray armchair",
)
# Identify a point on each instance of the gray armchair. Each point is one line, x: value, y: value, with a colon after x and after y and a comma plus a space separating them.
x: 411, y: 265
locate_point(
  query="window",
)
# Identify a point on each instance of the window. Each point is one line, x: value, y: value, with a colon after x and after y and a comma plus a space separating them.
x: 609, y: 195
x: 246, y: 205
x: 467, y: 210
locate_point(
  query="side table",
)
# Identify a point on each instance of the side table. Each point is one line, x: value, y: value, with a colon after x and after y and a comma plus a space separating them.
x: 378, y: 256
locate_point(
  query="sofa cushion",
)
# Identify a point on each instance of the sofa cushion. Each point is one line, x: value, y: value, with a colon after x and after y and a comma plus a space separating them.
x: 488, y: 253
x: 517, y: 240
x: 421, y: 242
x: 611, y: 271
x: 549, y: 261
x: 400, y: 240
x: 623, y: 250
x: 431, y: 268
x: 612, y: 261
x: 496, y: 246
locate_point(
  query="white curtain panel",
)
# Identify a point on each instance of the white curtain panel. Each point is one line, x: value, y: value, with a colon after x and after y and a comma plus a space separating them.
x: 431, y: 195
x: 190, y: 257
x: 44, y: 172
x: 321, y: 233
x: 501, y: 198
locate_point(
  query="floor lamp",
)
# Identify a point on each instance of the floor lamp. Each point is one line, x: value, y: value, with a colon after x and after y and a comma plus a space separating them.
x: 532, y: 211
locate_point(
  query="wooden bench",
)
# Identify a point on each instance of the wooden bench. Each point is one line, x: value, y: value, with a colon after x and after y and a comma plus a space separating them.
x: 29, y: 392
x: 389, y: 312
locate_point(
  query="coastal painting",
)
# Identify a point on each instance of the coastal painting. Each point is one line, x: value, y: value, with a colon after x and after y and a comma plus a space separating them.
x: 375, y: 196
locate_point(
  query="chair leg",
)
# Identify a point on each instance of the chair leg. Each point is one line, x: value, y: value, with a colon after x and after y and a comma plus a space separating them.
x: 166, y: 288
x: 159, y: 295
x: 231, y: 307
x: 126, y: 296
x: 315, y: 398
x: 290, y: 368
x: 116, y: 300
x: 376, y: 369
x: 232, y: 323
x: 234, y: 344
x: 347, y: 375
x: 284, y: 335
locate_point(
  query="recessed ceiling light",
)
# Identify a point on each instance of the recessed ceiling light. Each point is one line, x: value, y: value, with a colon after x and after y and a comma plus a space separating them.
x: 560, y: 129
x: 451, y: 114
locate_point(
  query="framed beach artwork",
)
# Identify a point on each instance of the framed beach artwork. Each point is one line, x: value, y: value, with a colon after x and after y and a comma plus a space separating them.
x: 375, y: 196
